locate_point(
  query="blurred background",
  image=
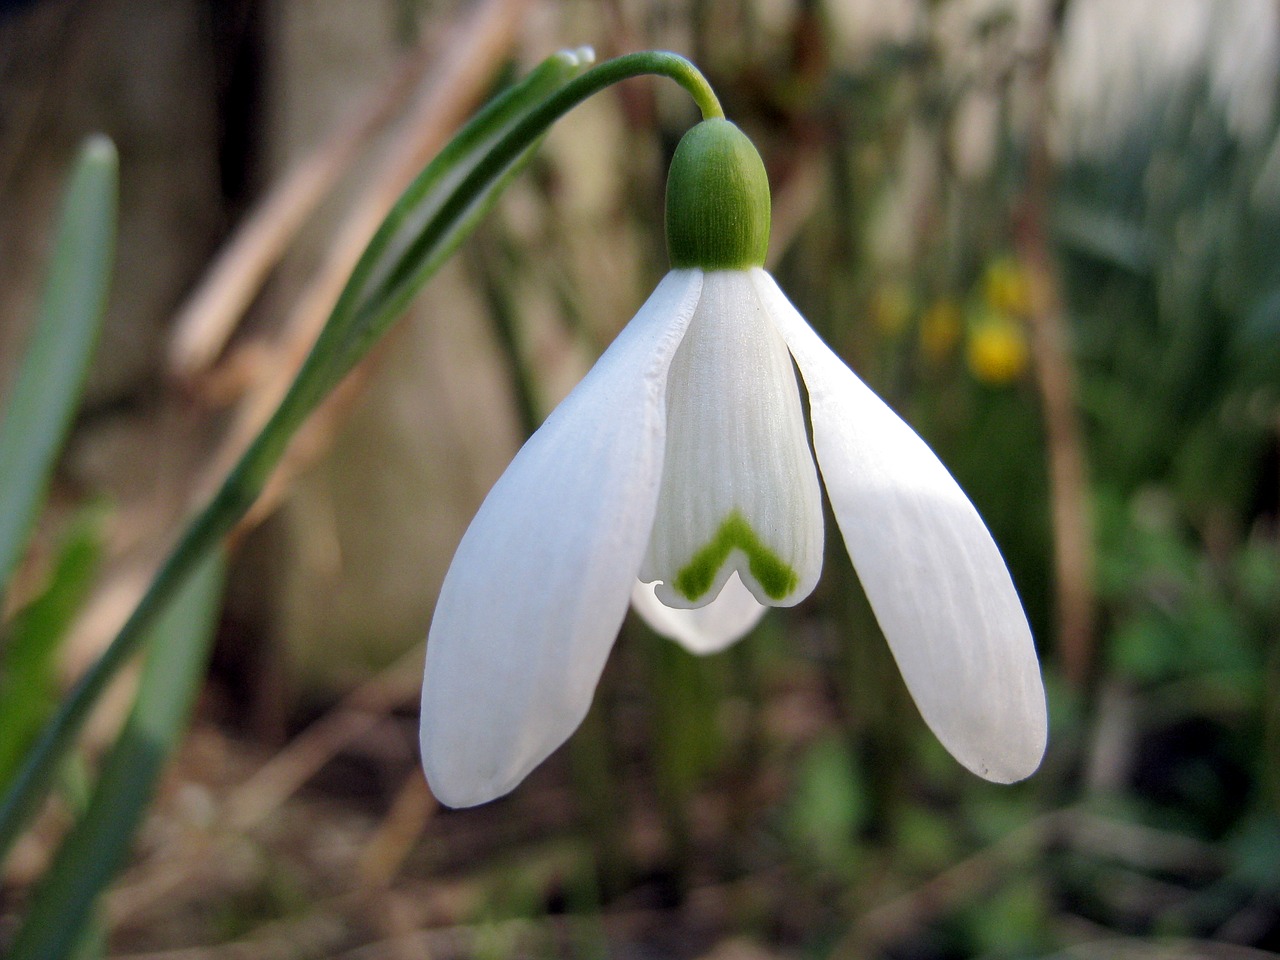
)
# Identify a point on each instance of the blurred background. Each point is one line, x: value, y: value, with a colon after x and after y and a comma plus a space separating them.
x: 1046, y: 231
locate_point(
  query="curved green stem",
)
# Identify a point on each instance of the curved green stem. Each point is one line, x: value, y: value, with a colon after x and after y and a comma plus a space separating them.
x: 437, y: 212
x: 417, y: 263
x: 658, y: 63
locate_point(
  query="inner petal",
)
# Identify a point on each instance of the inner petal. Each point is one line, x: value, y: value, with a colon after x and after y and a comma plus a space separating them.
x: 739, y: 487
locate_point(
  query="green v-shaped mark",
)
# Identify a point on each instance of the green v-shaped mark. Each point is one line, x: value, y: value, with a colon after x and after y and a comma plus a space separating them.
x: 774, y: 576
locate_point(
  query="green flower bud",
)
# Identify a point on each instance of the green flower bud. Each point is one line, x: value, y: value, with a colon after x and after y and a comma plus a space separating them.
x: 717, y: 200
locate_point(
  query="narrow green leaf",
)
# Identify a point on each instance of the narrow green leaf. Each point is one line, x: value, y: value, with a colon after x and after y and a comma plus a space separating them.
x: 397, y: 249
x: 28, y: 659
x: 63, y: 904
x: 49, y: 382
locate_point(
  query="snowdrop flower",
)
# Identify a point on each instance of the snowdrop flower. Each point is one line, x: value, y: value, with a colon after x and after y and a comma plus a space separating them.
x: 678, y: 476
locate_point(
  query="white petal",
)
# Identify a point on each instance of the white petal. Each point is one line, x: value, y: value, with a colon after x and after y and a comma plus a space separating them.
x: 538, y: 588
x: 739, y: 487
x: 706, y: 629
x: 934, y: 576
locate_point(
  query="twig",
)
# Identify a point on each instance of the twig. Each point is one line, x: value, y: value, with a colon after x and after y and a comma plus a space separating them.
x: 281, y: 776
x: 1068, y: 483
x: 1159, y: 851
x: 207, y: 318
x: 387, y: 849
x: 317, y: 934
x: 452, y: 92
x: 357, y: 713
x: 321, y: 932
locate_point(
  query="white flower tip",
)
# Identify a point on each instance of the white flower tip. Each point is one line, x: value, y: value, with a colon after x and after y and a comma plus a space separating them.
x: 460, y: 786
x: 934, y: 576
x: 1015, y: 758
x: 1000, y: 728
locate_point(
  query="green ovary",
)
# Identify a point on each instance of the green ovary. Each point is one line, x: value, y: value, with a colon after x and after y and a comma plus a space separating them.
x: 774, y: 576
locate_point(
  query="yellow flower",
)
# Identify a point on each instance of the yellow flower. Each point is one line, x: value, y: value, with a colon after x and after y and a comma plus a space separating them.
x: 997, y: 350
x: 1005, y: 288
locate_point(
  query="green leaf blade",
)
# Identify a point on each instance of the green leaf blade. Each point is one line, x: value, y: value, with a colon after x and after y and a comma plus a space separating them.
x: 179, y: 648
x: 411, y: 243
x: 28, y: 660
x: 51, y: 378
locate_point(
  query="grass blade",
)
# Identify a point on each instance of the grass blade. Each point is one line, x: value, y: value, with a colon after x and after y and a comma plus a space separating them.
x: 98, y: 844
x: 52, y: 374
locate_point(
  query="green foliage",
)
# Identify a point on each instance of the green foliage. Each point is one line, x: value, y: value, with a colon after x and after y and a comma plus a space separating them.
x: 1176, y: 614
x: 1170, y: 271
x: 924, y: 840
x: 829, y: 806
x: 1010, y: 923
x: 178, y: 651
x: 28, y: 661
x: 39, y: 409
x: 38, y: 414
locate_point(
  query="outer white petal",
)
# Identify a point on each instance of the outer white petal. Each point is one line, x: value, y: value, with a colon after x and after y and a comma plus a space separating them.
x: 702, y: 630
x: 739, y: 487
x: 538, y: 588
x: 934, y: 576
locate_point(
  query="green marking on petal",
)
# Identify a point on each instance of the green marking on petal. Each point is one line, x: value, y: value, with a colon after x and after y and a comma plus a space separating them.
x: 774, y: 576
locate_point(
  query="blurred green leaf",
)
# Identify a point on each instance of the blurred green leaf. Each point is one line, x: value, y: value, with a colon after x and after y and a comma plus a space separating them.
x: 1099, y: 232
x: 1255, y: 850
x: 994, y: 812
x: 925, y: 840
x: 93, y: 941
x: 1257, y: 571
x: 63, y: 903
x: 1143, y: 649
x: 51, y: 377
x: 1257, y: 342
x: 1175, y: 615
x: 28, y: 681
x: 1218, y: 463
x: 1012, y: 922
x: 687, y: 744
x: 830, y: 803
